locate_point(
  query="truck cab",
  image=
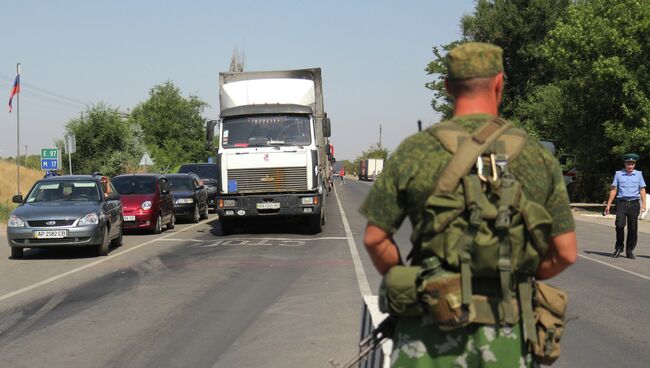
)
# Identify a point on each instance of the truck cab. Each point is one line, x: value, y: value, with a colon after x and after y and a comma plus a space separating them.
x: 273, y: 153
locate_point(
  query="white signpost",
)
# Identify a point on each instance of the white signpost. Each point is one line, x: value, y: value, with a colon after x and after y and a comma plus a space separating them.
x: 70, y: 148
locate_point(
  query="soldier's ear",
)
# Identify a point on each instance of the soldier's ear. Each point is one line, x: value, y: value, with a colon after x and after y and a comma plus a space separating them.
x: 498, y: 86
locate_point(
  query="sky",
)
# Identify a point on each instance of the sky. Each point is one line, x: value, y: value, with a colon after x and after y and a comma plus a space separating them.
x: 75, y: 54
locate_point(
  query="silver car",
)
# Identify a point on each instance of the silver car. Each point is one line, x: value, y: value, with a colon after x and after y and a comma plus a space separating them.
x: 71, y: 211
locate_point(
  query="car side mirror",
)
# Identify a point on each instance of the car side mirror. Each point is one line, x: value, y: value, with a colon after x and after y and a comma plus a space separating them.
x: 200, y: 187
x: 164, y: 192
x: 18, y: 198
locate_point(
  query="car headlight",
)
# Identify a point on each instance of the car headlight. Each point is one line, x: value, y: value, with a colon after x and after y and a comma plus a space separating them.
x: 184, y: 200
x: 89, y: 219
x: 146, y: 205
x: 15, y: 221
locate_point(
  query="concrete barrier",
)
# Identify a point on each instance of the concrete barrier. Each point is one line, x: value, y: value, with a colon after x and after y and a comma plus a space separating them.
x: 371, y: 317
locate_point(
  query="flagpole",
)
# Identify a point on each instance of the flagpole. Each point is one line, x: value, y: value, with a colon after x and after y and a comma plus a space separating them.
x: 18, y: 130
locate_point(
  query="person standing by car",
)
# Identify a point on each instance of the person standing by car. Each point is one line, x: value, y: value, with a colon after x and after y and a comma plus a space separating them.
x: 628, y: 187
x: 430, y: 180
x: 342, y: 175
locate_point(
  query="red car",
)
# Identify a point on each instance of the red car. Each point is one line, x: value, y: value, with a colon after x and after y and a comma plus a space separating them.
x: 147, y: 201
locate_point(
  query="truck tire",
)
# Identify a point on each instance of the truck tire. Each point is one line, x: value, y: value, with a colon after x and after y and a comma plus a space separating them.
x: 226, y: 226
x: 315, y: 224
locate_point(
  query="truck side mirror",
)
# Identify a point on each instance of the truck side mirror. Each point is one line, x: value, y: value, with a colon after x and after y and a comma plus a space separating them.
x: 327, y: 127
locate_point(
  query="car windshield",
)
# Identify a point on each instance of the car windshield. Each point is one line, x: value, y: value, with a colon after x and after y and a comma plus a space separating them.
x: 266, y: 130
x: 64, y: 190
x: 203, y: 171
x: 135, y: 184
x: 180, y: 183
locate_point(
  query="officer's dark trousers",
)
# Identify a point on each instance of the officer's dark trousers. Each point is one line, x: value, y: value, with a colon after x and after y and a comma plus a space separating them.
x: 627, y: 211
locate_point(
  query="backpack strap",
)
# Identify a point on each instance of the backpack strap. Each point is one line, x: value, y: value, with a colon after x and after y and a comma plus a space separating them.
x: 465, y: 150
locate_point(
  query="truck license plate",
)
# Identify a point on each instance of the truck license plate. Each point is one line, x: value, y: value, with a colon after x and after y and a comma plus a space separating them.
x: 129, y: 218
x: 50, y: 234
x: 268, y: 206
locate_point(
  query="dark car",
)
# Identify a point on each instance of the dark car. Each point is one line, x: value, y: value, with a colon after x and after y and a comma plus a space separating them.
x: 190, y: 196
x: 147, y: 201
x: 73, y: 210
x: 209, y: 173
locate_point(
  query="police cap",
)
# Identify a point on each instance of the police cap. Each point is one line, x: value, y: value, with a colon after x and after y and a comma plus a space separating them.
x: 474, y: 60
x: 630, y: 157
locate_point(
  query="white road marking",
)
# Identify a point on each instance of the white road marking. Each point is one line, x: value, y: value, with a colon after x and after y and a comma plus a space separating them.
x: 364, y: 287
x: 95, y: 263
x: 615, y: 267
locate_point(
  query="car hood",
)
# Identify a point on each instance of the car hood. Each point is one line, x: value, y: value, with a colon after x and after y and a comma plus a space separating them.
x: 134, y: 201
x: 66, y: 210
x: 183, y: 194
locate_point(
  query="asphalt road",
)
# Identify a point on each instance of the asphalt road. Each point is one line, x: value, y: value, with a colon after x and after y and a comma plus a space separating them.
x: 268, y: 296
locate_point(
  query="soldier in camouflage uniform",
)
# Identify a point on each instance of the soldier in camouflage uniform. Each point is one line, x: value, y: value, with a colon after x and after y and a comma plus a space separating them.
x: 475, y: 79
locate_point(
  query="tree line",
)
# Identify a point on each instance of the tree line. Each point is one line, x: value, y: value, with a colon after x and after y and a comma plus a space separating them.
x: 576, y: 74
x: 168, y: 126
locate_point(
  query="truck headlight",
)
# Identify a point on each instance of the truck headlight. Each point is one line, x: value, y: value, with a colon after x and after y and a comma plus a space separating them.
x: 146, y: 205
x: 227, y: 203
x: 308, y: 200
x: 89, y: 219
x: 184, y: 200
x: 15, y: 221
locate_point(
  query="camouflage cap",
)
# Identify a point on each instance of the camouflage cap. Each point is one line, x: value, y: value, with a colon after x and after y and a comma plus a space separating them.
x: 474, y: 60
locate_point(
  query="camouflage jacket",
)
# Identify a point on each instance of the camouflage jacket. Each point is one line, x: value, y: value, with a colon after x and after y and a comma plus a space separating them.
x: 410, y: 174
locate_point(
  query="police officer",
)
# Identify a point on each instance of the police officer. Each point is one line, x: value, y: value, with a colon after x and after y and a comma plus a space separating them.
x: 475, y: 80
x: 628, y: 187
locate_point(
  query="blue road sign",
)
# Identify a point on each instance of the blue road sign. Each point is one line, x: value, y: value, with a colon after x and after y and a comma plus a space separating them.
x: 49, y: 164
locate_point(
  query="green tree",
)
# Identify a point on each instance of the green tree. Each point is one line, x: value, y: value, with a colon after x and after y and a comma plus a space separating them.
x: 105, y: 142
x: 601, y: 91
x: 173, y: 127
x: 519, y: 27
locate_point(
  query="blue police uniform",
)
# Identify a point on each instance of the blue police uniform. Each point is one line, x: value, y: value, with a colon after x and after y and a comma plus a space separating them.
x: 628, y: 193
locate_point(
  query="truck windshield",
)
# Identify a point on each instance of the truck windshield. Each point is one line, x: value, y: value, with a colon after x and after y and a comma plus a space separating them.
x: 266, y: 130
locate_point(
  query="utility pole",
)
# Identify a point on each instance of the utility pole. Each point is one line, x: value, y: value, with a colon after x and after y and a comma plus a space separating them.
x: 379, y: 136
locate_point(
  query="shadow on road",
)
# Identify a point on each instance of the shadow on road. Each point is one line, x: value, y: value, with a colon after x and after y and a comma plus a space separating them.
x: 277, y: 226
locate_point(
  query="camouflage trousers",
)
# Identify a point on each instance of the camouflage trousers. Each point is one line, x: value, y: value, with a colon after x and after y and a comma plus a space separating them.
x: 418, y: 344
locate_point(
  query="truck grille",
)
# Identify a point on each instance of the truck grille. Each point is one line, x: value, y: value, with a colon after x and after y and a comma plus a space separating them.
x: 273, y: 179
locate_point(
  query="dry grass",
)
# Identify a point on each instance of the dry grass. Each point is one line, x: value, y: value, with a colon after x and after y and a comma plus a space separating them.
x: 8, y: 185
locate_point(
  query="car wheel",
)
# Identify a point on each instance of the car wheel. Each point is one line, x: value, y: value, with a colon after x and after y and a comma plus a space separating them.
x: 117, y: 242
x: 102, y: 248
x: 204, y: 214
x: 158, y: 228
x: 16, y: 253
x: 197, y: 215
x: 172, y: 222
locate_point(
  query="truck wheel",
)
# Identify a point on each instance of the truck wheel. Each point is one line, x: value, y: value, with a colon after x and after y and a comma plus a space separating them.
x: 16, y: 253
x: 316, y: 224
x: 226, y: 226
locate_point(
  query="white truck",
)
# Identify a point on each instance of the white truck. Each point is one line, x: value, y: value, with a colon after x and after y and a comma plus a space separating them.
x: 370, y: 168
x: 273, y: 153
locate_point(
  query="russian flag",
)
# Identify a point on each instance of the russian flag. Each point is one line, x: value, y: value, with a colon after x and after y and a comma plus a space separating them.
x: 14, y: 91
